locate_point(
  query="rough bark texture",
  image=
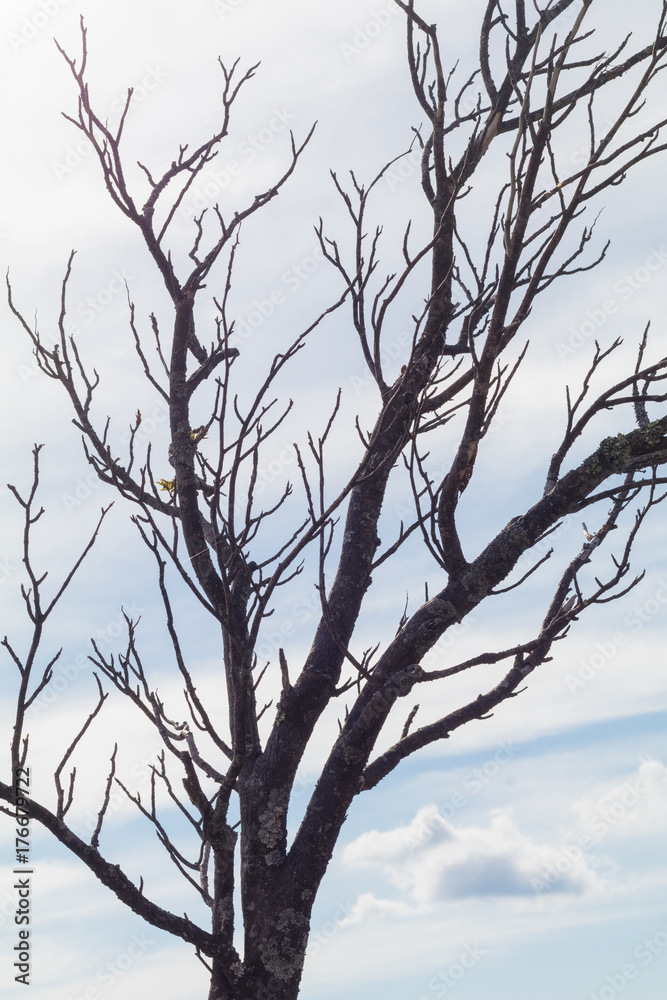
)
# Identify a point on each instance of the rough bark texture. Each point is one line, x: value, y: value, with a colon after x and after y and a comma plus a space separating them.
x: 461, y: 360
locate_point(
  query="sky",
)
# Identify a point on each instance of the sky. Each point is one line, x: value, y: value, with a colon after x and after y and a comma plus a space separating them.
x: 522, y: 858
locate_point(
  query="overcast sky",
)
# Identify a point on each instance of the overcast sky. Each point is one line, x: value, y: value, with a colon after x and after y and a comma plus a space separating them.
x: 524, y: 858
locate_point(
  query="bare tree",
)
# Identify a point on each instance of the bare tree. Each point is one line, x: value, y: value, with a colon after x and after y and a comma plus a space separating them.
x: 538, y: 73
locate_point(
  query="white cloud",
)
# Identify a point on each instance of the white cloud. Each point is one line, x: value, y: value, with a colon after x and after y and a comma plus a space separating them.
x: 434, y: 861
x: 43, y: 216
x: 636, y: 807
x: 368, y: 907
